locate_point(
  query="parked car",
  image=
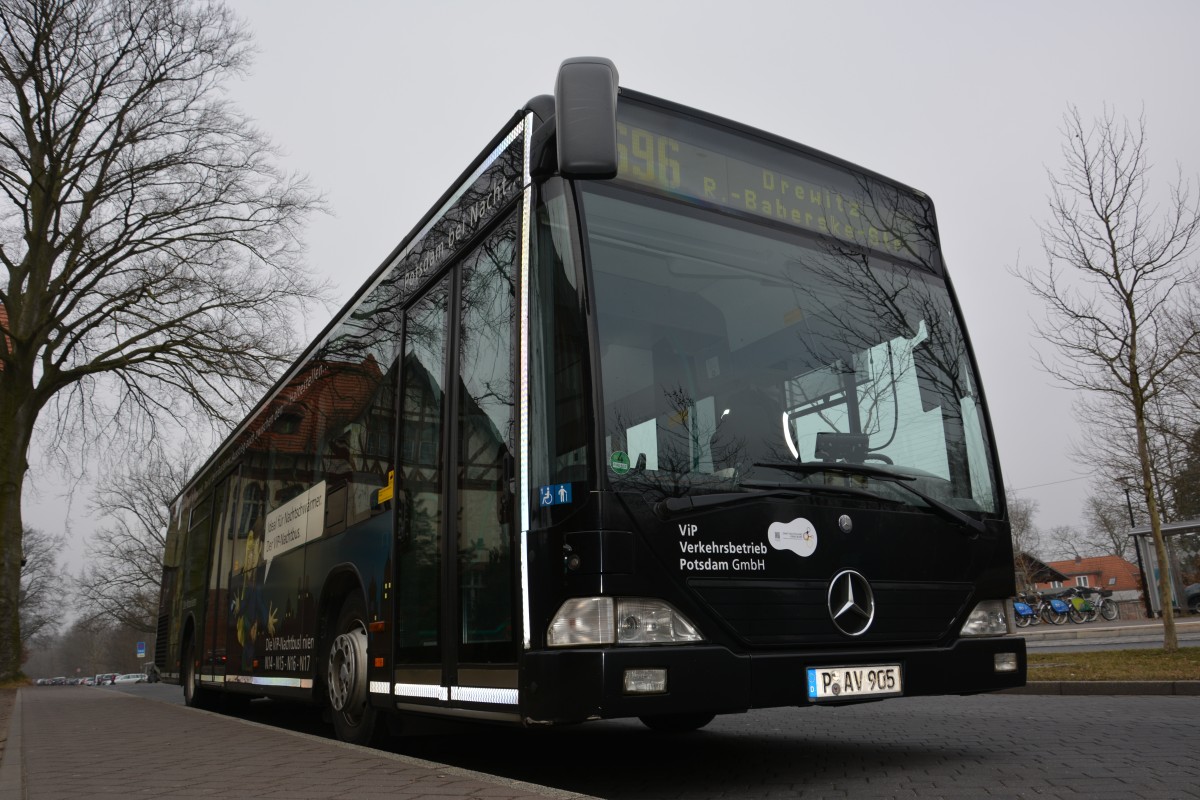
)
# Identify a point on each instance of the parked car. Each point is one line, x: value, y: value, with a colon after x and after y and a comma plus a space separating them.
x: 132, y: 677
x: 1191, y: 597
x: 106, y: 678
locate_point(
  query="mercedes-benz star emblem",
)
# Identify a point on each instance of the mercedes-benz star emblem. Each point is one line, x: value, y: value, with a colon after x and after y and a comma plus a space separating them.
x: 851, y: 603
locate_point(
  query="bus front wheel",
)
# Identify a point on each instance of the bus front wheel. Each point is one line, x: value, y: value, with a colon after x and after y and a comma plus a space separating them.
x: 354, y: 718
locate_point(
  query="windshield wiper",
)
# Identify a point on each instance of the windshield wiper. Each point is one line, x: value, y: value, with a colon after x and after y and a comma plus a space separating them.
x: 812, y: 467
x: 675, y: 505
x: 824, y: 488
x: 762, y: 489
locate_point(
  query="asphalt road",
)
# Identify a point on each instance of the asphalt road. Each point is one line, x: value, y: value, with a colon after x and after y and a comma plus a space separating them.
x: 996, y: 746
x: 1010, y: 746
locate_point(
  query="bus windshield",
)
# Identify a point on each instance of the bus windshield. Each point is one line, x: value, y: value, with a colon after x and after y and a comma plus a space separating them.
x: 729, y: 347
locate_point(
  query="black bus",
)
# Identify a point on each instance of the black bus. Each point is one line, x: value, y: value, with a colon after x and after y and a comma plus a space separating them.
x: 653, y: 415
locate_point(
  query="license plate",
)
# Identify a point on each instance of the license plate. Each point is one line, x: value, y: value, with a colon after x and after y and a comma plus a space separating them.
x: 835, y: 683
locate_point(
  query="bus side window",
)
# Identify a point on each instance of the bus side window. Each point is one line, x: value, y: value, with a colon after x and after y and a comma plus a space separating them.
x: 559, y: 371
x: 356, y: 458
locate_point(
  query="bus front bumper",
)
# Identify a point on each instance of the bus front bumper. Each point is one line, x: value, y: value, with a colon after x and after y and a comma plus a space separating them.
x: 565, y: 686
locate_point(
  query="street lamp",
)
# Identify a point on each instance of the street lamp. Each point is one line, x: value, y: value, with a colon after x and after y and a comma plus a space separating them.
x: 1129, y: 505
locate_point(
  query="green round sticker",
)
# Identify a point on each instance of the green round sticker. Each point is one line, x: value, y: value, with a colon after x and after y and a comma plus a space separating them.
x: 619, y: 461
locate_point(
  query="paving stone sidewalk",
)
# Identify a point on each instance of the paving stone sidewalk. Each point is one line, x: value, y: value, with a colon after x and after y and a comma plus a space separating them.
x: 73, y: 742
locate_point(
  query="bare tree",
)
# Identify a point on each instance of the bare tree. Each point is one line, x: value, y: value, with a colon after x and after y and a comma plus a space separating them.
x: 1069, y: 542
x: 1108, y: 445
x: 150, y: 242
x: 42, y: 598
x: 1186, y: 481
x: 125, y: 558
x: 1025, y: 535
x: 88, y: 647
x: 1116, y: 284
x: 1107, y: 518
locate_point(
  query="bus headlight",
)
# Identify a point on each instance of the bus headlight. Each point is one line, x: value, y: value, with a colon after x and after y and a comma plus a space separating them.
x: 583, y: 621
x: 988, y: 618
x: 644, y: 621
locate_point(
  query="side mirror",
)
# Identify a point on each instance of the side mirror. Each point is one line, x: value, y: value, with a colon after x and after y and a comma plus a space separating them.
x: 585, y: 110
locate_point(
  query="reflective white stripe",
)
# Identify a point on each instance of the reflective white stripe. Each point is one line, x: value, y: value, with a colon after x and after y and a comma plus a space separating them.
x: 295, y: 683
x: 422, y: 690
x: 465, y: 694
x: 212, y: 678
x: 380, y: 687
x: 523, y: 389
x: 479, y: 694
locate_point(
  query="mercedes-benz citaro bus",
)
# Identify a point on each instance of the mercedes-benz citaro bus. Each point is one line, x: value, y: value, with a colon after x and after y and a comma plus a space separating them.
x: 653, y: 415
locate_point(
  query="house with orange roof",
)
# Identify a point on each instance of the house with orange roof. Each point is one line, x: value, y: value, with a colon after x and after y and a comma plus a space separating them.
x: 1100, y: 572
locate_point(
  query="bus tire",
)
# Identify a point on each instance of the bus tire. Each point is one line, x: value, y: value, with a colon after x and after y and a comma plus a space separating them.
x: 677, y: 723
x: 194, y: 695
x: 355, y: 720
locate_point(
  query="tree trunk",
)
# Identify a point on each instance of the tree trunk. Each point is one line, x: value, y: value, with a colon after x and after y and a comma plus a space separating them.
x: 1170, y: 639
x: 15, y: 428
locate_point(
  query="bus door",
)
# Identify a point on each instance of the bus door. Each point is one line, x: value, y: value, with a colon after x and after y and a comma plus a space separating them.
x: 483, y: 668
x: 455, y: 548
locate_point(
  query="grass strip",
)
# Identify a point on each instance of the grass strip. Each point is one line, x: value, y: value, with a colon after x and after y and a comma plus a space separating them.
x: 1151, y: 664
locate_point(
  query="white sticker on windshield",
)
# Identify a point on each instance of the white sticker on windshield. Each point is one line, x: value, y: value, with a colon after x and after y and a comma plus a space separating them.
x: 799, y: 536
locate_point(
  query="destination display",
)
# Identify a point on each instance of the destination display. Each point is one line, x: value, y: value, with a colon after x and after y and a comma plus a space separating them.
x: 680, y: 158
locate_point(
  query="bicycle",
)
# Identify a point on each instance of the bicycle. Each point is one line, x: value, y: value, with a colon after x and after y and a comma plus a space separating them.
x: 1080, y: 608
x: 1053, y: 610
x: 1102, y: 605
x: 1025, y: 610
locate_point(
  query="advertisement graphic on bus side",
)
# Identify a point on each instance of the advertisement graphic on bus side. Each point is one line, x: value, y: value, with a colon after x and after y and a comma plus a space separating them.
x: 296, y: 522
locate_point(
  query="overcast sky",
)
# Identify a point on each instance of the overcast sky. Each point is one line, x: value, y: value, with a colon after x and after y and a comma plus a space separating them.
x: 383, y: 104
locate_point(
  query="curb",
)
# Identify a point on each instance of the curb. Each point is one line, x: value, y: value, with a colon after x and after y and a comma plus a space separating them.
x: 1126, y: 631
x: 1110, y: 688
